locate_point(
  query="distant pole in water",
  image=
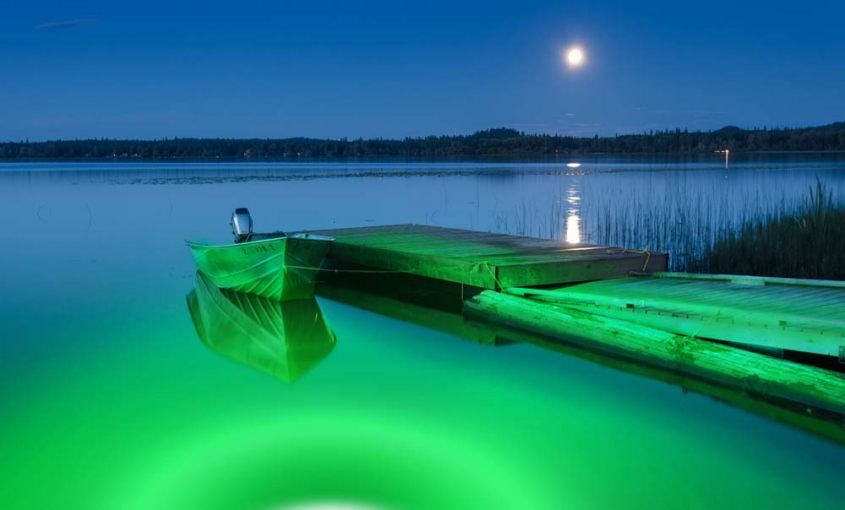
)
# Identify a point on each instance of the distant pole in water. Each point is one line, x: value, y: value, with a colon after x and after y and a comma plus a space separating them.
x: 727, y: 153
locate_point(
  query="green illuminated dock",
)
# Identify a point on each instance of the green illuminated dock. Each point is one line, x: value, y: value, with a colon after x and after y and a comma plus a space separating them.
x: 615, y: 301
x: 483, y: 259
x: 765, y: 313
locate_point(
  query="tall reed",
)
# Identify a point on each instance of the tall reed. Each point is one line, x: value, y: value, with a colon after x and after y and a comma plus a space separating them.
x: 805, y: 242
x: 766, y: 235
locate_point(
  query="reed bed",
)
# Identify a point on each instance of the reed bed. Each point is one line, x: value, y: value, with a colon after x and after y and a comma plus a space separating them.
x: 807, y: 241
x: 762, y: 233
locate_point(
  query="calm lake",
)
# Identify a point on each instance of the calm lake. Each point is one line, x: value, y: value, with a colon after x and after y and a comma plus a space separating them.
x: 110, y: 399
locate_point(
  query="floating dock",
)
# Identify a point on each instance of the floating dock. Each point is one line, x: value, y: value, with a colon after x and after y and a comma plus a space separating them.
x: 482, y: 259
x: 714, y: 362
x: 429, y: 306
x: 770, y: 313
x: 591, y: 296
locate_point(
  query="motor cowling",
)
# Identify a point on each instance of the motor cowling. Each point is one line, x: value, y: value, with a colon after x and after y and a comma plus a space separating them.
x: 241, y: 224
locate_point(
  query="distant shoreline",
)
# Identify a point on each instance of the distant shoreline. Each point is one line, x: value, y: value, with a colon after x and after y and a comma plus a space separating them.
x: 493, y: 143
x: 483, y: 159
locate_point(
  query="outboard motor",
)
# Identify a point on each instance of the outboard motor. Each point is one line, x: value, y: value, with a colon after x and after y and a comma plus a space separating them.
x: 241, y: 224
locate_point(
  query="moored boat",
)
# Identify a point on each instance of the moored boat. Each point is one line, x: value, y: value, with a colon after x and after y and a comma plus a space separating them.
x: 277, y: 266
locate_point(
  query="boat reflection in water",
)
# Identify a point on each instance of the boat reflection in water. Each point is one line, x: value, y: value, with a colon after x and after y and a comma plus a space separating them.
x: 283, y: 339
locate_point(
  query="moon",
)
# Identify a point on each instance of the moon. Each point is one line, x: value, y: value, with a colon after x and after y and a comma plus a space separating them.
x: 574, y: 56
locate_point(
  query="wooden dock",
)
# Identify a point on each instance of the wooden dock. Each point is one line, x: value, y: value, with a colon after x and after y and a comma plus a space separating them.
x: 773, y: 313
x: 591, y: 296
x: 482, y: 259
x: 713, y: 362
x: 425, y: 307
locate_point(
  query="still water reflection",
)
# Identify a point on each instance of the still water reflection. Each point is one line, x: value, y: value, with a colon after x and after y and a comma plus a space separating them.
x: 282, y: 339
x: 109, y: 401
x: 573, y: 209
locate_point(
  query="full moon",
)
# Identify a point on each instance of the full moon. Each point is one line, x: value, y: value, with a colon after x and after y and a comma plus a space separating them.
x: 574, y: 56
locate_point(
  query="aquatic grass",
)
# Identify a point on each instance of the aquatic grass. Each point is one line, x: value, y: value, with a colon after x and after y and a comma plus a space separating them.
x: 803, y: 242
x: 765, y: 234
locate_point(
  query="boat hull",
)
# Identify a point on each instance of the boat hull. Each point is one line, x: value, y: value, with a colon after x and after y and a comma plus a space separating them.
x: 282, y: 268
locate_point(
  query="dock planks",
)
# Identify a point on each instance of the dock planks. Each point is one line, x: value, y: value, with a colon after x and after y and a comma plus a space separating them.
x: 716, y: 363
x: 796, y: 315
x: 483, y: 259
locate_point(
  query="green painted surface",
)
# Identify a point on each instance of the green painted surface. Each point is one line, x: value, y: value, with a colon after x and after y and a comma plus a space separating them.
x: 109, y: 400
x: 396, y: 416
x: 483, y: 259
x: 283, y: 339
x: 736, y: 368
x: 784, y: 314
x: 281, y: 269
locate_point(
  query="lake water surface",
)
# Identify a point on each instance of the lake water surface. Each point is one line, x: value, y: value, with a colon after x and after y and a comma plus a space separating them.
x: 109, y: 399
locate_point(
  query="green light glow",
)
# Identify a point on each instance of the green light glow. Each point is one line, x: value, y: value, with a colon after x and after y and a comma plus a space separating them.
x: 110, y: 400
x: 396, y: 417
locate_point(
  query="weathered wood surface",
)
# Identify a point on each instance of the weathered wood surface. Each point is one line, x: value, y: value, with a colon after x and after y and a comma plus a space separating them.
x: 483, y: 259
x: 747, y: 371
x: 747, y: 310
x: 749, y: 280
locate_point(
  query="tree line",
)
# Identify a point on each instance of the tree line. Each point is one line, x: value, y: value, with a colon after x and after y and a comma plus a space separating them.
x: 492, y: 142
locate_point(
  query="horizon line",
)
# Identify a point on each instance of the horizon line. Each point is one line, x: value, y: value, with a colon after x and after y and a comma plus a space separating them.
x: 650, y: 132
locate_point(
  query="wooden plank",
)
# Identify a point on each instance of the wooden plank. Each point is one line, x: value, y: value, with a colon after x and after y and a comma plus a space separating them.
x: 762, y: 280
x: 481, y: 258
x: 422, y: 241
x: 549, y: 273
x: 501, y: 241
x: 748, y: 371
x: 791, y: 300
x: 364, y: 231
x: 787, y: 302
x: 452, y: 270
x: 493, y: 254
x: 563, y: 257
x: 716, y: 309
x: 452, y: 239
x: 452, y: 251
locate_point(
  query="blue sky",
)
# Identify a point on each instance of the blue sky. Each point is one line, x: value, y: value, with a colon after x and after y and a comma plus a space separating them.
x: 393, y: 69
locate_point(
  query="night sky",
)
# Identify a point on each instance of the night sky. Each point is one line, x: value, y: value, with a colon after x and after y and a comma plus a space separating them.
x: 159, y: 69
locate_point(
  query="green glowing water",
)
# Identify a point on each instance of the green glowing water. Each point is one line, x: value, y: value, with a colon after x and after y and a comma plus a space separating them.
x: 109, y: 399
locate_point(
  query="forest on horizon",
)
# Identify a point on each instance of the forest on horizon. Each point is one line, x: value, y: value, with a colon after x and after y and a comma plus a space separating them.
x: 492, y: 142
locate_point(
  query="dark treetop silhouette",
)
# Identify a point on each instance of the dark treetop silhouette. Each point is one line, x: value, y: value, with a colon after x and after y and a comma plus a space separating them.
x: 493, y: 142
